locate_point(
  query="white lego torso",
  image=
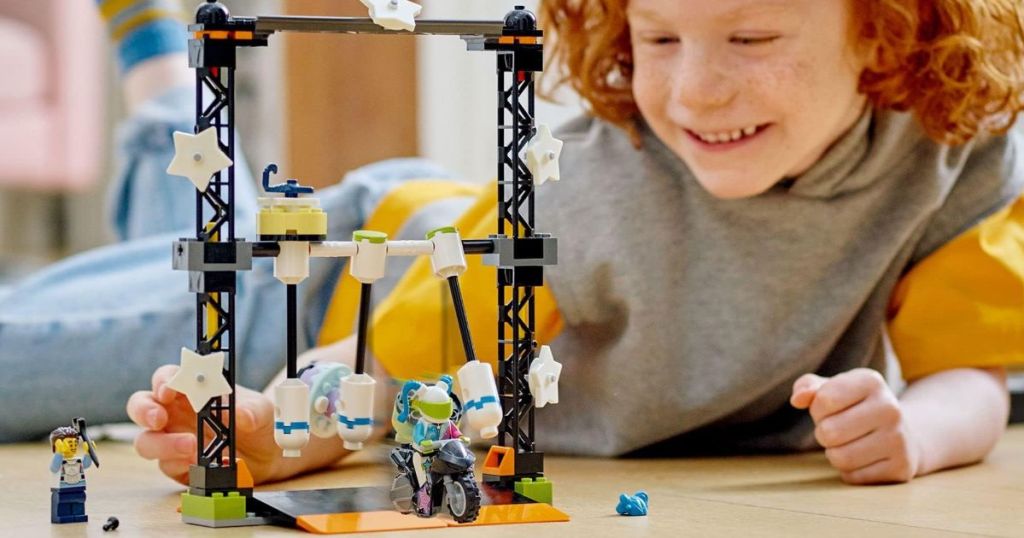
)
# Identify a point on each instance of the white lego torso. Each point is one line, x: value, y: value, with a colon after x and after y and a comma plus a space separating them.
x: 71, y: 472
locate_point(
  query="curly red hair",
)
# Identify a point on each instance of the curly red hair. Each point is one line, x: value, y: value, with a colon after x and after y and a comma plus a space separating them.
x: 957, y: 65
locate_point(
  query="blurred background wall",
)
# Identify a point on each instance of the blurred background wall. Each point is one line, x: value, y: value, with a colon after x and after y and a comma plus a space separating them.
x: 318, y: 105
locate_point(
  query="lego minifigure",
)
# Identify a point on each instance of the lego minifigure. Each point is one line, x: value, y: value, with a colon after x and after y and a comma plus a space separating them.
x: 435, y: 466
x: 67, y: 497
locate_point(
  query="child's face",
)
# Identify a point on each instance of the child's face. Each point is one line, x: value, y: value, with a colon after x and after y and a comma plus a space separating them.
x: 746, y: 92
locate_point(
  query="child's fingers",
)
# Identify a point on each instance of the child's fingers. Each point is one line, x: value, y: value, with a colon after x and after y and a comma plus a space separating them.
x: 177, y: 470
x: 856, y: 422
x: 844, y: 391
x: 804, y: 390
x: 161, y: 376
x: 255, y: 411
x: 145, y: 411
x: 165, y: 446
x: 862, y: 452
x: 882, y: 472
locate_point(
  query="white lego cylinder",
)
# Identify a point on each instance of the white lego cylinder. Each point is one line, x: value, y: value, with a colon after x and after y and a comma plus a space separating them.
x: 291, y: 265
x: 370, y: 261
x: 291, y: 416
x: 355, y: 410
x: 448, y: 259
x: 480, y: 405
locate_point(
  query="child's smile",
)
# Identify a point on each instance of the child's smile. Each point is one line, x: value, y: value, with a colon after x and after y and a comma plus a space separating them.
x: 726, y: 139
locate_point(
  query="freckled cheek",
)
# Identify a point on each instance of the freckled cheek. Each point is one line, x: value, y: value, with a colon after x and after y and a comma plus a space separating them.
x: 651, y: 91
x: 784, y: 92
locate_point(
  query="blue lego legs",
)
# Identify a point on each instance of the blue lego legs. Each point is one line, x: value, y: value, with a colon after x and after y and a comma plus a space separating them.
x: 67, y: 505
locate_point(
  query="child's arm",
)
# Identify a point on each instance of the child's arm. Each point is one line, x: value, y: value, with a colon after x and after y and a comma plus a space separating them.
x: 947, y: 419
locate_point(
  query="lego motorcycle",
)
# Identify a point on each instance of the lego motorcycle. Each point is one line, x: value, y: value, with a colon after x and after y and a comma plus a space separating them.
x: 433, y: 475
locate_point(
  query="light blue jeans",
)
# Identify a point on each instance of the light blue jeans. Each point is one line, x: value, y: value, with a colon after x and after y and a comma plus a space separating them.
x: 79, y: 337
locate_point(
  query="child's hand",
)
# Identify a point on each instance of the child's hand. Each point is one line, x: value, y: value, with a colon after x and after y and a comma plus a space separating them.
x: 860, y: 423
x: 170, y: 425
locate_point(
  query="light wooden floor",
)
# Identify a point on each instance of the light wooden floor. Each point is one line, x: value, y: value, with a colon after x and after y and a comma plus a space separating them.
x: 797, y: 495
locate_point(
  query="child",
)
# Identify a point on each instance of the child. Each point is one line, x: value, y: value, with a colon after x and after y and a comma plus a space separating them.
x: 743, y: 215
x: 788, y: 215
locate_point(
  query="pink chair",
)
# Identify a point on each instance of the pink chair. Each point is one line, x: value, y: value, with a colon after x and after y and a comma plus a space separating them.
x: 52, y: 60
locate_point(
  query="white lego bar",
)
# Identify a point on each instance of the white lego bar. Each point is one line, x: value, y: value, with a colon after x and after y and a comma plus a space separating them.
x: 333, y: 249
x: 291, y: 416
x: 355, y: 410
x: 481, y: 407
x: 410, y: 248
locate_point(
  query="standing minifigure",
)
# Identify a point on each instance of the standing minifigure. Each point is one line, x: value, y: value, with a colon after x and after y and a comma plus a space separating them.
x: 67, y: 497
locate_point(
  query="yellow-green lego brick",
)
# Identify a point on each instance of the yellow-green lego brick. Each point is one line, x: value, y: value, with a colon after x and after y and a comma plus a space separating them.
x: 372, y: 236
x: 442, y: 229
x: 291, y: 221
x: 216, y: 506
x: 539, y: 489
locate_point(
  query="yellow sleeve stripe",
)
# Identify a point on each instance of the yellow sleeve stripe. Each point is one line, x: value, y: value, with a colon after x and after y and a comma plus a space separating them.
x: 408, y: 324
x: 110, y: 8
x: 394, y: 209
x: 963, y: 306
x: 140, y: 18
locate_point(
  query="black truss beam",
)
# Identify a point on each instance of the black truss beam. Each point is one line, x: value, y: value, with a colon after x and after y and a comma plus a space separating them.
x: 215, y: 312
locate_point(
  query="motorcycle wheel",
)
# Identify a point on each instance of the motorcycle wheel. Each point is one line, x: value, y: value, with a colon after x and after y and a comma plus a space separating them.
x: 402, y: 494
x: 464, y: 499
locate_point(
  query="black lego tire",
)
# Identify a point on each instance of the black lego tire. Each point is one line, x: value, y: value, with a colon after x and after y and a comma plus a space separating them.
x: 471, y: 490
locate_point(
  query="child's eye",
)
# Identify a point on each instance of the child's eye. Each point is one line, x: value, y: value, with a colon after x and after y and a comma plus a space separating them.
x: 662, y: 40
x: 748, y: 40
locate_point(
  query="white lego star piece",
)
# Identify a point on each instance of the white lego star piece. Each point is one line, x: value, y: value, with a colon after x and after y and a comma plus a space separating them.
x: 200, y: 377
x: 544, y: 374
x: 393, y: 14
x: 197, y: 157
x: 542, y: 152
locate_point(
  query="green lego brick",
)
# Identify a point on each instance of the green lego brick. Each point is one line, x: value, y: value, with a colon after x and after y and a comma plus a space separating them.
x: 442, y: 229
x: 215, y: 507
x: 369, y: 235
x: 539, y: 489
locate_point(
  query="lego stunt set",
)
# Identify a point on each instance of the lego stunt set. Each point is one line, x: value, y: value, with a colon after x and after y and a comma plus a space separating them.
x: 434, y: 469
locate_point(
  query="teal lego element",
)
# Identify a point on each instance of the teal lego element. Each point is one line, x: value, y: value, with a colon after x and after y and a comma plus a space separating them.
x: 215, y: 507
x: 539, y: 489
x: 633, y: 505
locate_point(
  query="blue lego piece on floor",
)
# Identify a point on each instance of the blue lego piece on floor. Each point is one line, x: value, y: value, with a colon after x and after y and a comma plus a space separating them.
x: 632, y: 505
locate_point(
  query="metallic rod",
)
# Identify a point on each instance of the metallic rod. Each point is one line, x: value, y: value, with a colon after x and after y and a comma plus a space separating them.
x: 478, y: 246
x: 364, y: 317
x: 460, y: 314
x: 293, y: 333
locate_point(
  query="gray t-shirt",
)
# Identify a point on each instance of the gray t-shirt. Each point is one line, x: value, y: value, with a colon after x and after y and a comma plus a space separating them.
x: 687, y: 317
